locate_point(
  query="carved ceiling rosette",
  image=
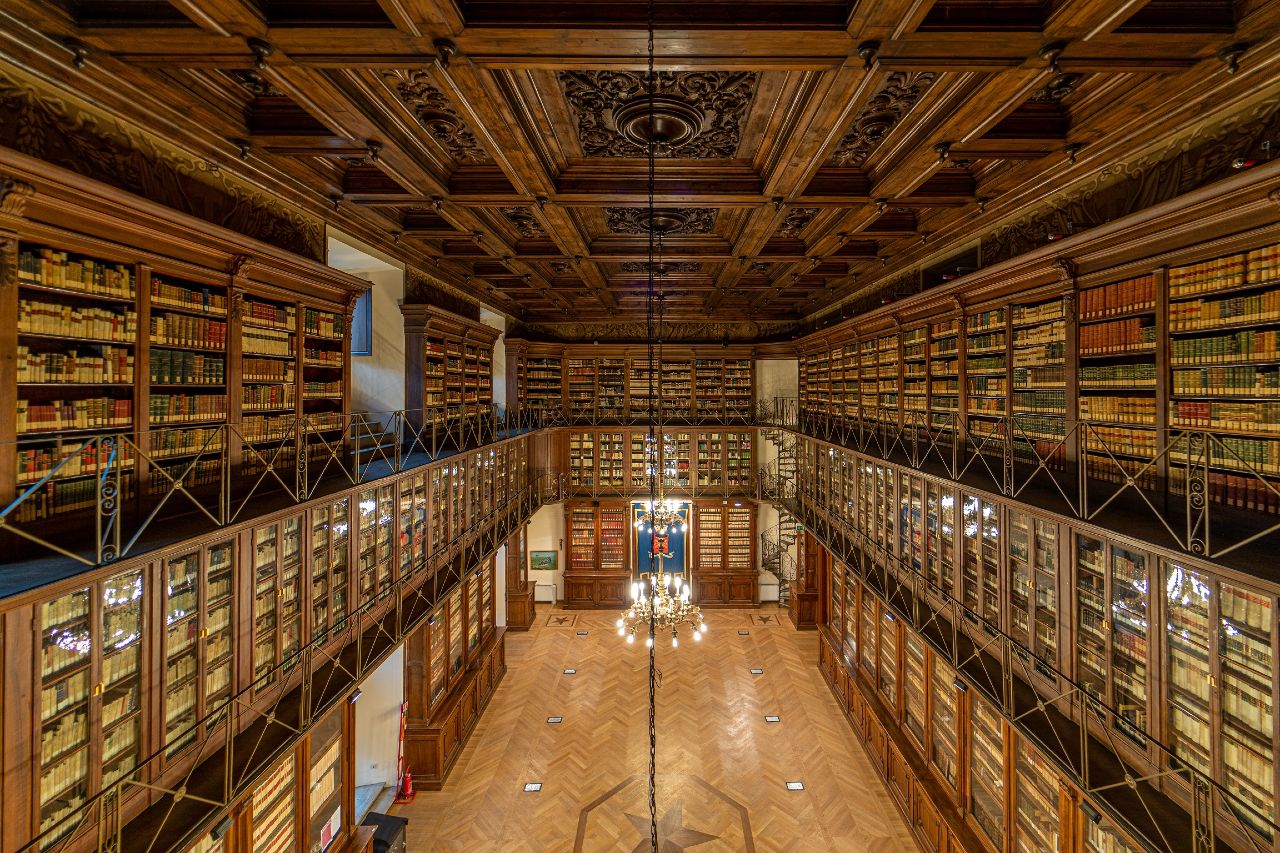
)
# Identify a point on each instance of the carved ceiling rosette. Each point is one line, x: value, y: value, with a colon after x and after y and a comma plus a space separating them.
x: 796, y: 220
x: 881, y: 115
x: 437, y: 116
x: 666, y: 221
x: 699, y: 114
x: 524, y: 221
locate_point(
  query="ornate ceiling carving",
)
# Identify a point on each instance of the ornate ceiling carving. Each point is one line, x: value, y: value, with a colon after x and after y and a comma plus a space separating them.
x: 722, y: 98
x: 434, y: 112
x: 796, y: 220
x: 524, y: 221
x: 634, y: 220
x: 881, y: 114
x: 666, y: 266
x: 1058, y: 88
x: 254, y: 83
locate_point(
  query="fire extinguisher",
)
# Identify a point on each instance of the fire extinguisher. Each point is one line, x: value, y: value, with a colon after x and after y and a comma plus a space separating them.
x: 404, y: 790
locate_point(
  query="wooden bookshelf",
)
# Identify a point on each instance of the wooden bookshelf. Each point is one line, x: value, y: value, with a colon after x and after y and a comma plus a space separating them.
x: 448, y: 369
x: 1104, y: 371
x: 611, y: 383
x: 146, y: 341
x: 598, y: 539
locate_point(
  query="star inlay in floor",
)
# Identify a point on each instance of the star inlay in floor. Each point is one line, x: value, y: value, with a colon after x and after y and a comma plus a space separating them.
x: 673, y: 835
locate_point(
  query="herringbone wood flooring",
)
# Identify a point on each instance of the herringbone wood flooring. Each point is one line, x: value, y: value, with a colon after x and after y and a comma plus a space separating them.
x: 721, y: 767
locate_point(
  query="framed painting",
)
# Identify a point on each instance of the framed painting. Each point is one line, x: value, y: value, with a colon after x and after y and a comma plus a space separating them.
x: 542, y: 561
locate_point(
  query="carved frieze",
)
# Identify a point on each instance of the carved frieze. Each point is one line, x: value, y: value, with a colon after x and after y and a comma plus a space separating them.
x: 1177, y: 167
x: 524, y: 221
x: 693, y: 331
x: 881, y: 115
x: 437, y: 116
x: 682, y: 220
x: 68, y: 133
x: 796, y: 220
x: 712, y: 104
x: 421, y: 290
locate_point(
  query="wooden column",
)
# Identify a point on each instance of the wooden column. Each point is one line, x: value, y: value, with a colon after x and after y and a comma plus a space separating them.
x: 804, y: 595
x: 13, y: 200
x: 520, y: 604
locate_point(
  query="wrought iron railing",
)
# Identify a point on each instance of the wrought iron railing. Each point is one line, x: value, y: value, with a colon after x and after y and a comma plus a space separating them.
x: 596, y: 416
x: 1161, y: 801
x: 158, y: 808
x: 218, y: 474
x: 1173, y: 491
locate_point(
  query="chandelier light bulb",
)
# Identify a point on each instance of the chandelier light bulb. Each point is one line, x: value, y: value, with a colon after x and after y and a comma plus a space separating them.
x: 631, y: 638
x: 697, y: 635
x: 675, y: 641
x: 648, y: 642
x: 621, y: 631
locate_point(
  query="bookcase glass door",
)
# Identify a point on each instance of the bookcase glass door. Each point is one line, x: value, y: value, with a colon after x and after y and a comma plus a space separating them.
x: 277, y: 621
x: 121, y: 680
x: 66, y: 646
x: 324, y: 782
x: 944, y: 733
x: 274, y: 821
x: 1036, y: 821
x: 986, y: 769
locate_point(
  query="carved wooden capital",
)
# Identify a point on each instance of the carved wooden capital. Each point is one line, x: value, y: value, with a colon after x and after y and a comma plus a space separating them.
x: 1274, y: 196
x: 240, y: 266
x: 1066, y: 269
x: 13, y: 195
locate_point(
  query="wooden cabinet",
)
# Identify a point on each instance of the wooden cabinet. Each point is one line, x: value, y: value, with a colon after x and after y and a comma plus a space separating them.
x: 598, y: 539
x: 374, y: 544
x: 723, y: 567
x: 330, y: 563
x: 326, y: 790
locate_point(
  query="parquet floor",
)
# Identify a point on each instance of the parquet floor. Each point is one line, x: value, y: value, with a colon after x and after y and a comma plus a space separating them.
x: 721, y: 768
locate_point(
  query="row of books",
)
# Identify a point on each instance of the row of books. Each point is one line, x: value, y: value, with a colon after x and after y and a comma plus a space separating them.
x: 1209, y: 313
x: 329, y: 358
x: 56, y: 415
x: 86, y: 365
x: 183, y: 367
x: 185, y: 331
x: 266, y: 342
x: 323, y: 324
x: 267, y: 397
x: 202, y: 300
x: 75, y: 460
x: 1206, y: 276
x: 1127, y: 410
x: 1248, y: 345
x: 50, y: 268
x: 71, y: 321
x: 1135, y: 334
x: 172, y: 408
x: 265, y: 314
x: 62, y: 496
x: 1029, y: 314
x: 1124, y: 297
x: 1236, y: 416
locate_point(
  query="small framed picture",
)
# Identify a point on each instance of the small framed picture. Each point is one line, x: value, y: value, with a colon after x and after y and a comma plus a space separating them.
x: 542, y: 561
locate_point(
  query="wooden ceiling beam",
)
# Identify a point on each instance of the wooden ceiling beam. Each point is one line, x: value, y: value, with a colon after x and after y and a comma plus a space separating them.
x: 224, y: 17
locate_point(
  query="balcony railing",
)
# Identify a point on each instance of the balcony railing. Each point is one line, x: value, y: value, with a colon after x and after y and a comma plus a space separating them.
x: 1090, y: 742
x: 157, y: 808
x: 125, y: 484
x: 1174, y: 492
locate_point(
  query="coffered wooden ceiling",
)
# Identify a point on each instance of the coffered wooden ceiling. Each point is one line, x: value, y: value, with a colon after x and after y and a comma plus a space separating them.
x: 828, y: 145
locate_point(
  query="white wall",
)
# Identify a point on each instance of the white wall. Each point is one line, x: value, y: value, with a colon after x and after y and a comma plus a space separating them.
x: 378, y: 722
x: 498, y: 322
x: 777, y: 377
x: 500, y: 587
x: 377, y: 381
x: 546, y: 533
